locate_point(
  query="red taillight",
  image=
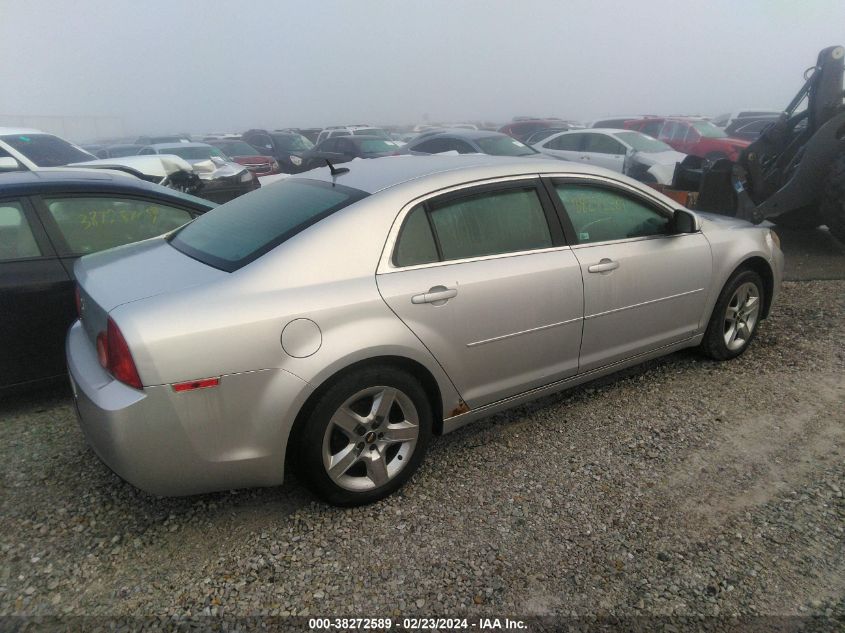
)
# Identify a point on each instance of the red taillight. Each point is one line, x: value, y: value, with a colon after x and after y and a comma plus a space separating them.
x: 78, y: 300
x: 114, y: 355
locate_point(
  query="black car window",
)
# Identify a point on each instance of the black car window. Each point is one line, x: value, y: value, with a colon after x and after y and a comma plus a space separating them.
x: 345, y: 146
x: 431, y: 146
x: 16, y: 238
x: 95, y: 223
x: 491, y: 223
x: 565, y: 142
x: 329, y: 145
x: 240, y: 231
x: 599, y: 215
x: 457, y: 145
x: 261, y: 141
x: 603, y: 144
x: 652, y: 128
x: 416, y: 243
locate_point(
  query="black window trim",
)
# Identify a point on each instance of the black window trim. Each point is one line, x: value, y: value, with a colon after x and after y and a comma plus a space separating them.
x: 556, y: 231
x: 601, y: 183
x: 54, y: 233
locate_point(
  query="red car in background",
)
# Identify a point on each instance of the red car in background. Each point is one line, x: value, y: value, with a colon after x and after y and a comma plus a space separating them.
x: 691, y: 136
x: 521, y: 130
x: 245, y: 154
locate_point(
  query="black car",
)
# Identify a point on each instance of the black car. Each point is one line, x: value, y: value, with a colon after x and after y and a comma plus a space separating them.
x: 469, y: 142
x: 341, y: 149
x: 48, y: 219
x: 286, y: 147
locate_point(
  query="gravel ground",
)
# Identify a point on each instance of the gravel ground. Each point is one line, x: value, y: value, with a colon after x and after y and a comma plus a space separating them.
x: 683, y: 487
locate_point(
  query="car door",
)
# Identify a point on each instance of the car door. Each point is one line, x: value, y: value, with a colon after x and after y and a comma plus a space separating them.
x: 644, y: 287
x: 602, y: 150
x: 36, y: 298
x: 567, y: 146
x: 483, y: 278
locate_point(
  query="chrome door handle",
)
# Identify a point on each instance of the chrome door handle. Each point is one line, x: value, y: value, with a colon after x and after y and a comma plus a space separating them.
x: 605, y: 265
x: 438, y: 295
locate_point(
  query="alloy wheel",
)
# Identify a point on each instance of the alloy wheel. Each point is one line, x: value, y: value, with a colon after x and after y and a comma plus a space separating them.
x: 741, y: 316
x: 370, y: 438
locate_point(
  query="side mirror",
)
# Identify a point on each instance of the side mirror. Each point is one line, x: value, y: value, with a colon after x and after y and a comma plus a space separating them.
x: 684, y: 221
x: 7, y: 163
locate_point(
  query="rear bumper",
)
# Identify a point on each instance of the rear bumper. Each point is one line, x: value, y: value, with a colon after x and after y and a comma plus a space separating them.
x: 167, y: 443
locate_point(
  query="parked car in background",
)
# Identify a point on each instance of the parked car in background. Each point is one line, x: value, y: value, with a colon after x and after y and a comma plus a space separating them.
x: 342, y: 149
x: 617, y: 122
x: 286, y: 147
x: 750, y: 128
x: 724, y: 120
x: 626, y: 151
x: 245, y: 154
x: 469, y: 142
x: 311, y: 133
x: 48, y: 219
x: 351, y: 130
x: 524, y: 128
x: 172, y: 138
x: 114, y: 151
x: 346, y: 318
x: 221, y: 178
x: 34, y: 149
x: 691, y: 136
x: 539, y: 135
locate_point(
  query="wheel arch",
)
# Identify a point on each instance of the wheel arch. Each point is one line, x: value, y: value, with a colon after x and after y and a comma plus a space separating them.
x: 762, y: 267
x: 413, y: 367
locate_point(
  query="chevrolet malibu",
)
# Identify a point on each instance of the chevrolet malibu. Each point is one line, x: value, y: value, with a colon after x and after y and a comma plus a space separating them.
x: 341, y: 319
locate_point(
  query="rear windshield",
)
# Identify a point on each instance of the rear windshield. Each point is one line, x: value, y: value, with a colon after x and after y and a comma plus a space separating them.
x: 292, y: 142
x: 377, y: 146
x: 240, y: 231
x: 46, y: 150
x: 503, y: 146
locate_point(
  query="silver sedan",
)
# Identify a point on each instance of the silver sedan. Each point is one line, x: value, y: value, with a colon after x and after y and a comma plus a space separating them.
x: 342, y: 318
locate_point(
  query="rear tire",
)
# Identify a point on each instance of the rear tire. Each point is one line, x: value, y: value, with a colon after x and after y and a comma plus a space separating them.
x: 366, y: 436
x: 735, y: 317
x: 832, y: 207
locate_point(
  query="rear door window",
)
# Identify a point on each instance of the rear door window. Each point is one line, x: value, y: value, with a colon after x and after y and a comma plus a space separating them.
x: 91, y: 224
x: 491, y: 223
x: 16, y: 238
x: 566, y: 142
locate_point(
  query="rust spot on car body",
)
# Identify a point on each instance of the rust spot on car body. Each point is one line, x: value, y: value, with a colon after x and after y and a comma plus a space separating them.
x: 462, y: 407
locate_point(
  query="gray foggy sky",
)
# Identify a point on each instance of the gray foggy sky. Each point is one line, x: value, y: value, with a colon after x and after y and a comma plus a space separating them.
x: 166, y: 65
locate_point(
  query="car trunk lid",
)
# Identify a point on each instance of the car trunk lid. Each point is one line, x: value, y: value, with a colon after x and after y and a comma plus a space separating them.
x: 133, y: 272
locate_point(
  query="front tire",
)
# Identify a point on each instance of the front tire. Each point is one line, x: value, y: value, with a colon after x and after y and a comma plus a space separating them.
x: 366, y: 436
x: 735, y: 317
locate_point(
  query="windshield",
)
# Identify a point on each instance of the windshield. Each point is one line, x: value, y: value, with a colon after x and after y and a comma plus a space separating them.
x: 46, y: 150
x: 238, y: 148
x: 194, y: 153
x: 244, y: 229
x: 642, y: 142
x: 377, y: 146
x: 708, y: 130
x: 292, y: 142
x: 503, y: 146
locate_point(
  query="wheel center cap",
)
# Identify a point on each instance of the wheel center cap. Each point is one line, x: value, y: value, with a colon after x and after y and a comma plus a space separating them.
x: 370, y: 437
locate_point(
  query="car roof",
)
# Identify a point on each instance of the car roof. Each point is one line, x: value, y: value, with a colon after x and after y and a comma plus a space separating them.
x: 19, y: 130
x: 176, y: 145
x: 81, y: 180
x: 377, y: 174
x: 464, y: 133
